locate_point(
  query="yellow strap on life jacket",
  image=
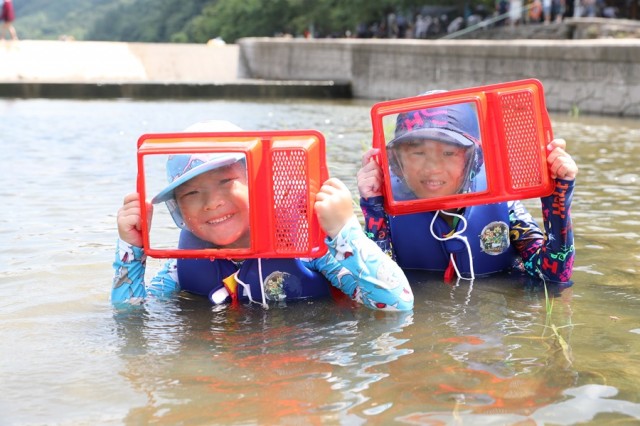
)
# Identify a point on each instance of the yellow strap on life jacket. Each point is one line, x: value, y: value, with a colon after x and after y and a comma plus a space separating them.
x: 231, y: 285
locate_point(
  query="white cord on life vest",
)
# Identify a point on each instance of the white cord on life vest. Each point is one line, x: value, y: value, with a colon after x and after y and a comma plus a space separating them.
x: 247, y: 287
x: 455, y: 235
x: 264, y: 298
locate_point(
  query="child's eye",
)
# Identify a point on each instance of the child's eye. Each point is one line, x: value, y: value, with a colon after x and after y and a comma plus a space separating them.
x: 227, y: 180
x: 189, y: 194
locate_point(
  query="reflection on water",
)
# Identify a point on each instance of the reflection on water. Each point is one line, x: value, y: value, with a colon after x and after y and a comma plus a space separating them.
x: 495, y: 352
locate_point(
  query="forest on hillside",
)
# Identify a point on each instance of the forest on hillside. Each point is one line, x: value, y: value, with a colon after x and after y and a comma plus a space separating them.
x: 197, y: 21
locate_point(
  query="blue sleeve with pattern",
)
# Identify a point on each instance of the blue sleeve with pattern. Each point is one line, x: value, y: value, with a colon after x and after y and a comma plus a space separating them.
x: 358, y: 267
x: 128, y: 282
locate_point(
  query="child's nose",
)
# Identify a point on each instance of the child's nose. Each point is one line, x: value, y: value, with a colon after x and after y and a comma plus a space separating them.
x: 431, y: 164
x: 214, y: 200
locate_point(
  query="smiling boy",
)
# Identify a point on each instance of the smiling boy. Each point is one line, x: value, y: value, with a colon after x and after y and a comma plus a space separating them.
x: 209, y: 196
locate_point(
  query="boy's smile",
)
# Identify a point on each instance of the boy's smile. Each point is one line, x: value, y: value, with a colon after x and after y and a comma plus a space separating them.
x: 217, y: 221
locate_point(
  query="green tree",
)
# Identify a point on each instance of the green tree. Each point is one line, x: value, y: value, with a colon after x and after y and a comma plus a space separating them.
x: 147, y: 20
x: 232, y: 19
x: 46, y: 19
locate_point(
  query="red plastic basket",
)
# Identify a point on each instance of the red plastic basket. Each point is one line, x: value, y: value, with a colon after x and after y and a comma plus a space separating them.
x: 514, y: 131
x: 285, y: 170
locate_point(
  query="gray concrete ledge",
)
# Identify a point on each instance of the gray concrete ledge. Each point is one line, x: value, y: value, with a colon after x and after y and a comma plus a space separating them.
x: 590, y: 28
x: 239, y: 89
x: 593, y: 76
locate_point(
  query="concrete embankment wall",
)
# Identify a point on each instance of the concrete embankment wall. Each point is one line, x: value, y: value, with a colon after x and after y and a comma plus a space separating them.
x: 106, y: 62
x: 595, y: 76
x: 77, y: 69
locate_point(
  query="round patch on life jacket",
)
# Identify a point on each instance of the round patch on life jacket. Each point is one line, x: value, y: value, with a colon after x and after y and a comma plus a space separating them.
x: 494, y: 238
x: 274, y: 285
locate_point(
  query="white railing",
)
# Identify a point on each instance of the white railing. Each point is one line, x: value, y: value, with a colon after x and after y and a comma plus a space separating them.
x: 485, y: 23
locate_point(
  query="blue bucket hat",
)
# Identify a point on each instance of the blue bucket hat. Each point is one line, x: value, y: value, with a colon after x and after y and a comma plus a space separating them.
x: 455, y: 124
x: 183, y: 167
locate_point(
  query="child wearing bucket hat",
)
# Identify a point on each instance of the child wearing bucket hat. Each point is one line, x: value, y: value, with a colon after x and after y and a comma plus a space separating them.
x: 207, y: 196
x: 436, y: 152
x: 194, y: 181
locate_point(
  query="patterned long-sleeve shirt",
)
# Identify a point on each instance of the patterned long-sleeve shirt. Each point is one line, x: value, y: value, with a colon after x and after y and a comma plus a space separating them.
x: 354, y: 264
x: 548, y: 254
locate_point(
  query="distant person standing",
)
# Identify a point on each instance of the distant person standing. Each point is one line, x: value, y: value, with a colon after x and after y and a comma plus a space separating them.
x: 515, y: 12
x: 547, y: 6
x: 8, y: 16
x: 503, y: 8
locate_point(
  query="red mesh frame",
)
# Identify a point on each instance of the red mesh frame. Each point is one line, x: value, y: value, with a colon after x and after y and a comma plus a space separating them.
x: 514, y: 129
x: 285, y: 170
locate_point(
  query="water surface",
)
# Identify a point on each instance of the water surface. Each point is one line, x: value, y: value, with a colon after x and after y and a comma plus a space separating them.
x: 487, y: 353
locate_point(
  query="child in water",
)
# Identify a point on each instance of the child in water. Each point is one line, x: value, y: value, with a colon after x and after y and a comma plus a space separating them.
x: 436, y: 152
x: 207, y: 196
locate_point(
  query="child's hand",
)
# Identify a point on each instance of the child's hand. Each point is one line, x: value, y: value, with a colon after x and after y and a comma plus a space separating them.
x: 369, y: 177
x: 334, y: 206
x: 129, y: 220
x: 561, y: 165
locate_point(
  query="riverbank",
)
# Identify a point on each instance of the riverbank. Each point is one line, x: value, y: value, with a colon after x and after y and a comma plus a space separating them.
x: 600, y: 76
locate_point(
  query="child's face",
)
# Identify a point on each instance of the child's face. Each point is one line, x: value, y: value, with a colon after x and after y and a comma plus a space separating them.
x: 432, y: 168
x: 215, y: 206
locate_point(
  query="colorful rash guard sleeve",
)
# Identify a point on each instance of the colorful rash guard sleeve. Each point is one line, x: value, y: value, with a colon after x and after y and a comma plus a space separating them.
x: 357, y: 267
x: 548, y: 255
x: 354, y: 264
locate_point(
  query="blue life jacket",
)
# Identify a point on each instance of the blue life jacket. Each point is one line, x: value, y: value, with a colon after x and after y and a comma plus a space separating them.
x: 487, y: 233
x: 285, y: 279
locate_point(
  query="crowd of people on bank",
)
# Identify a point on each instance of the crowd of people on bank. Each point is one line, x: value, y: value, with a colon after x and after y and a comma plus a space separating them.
x: 437, y: 21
